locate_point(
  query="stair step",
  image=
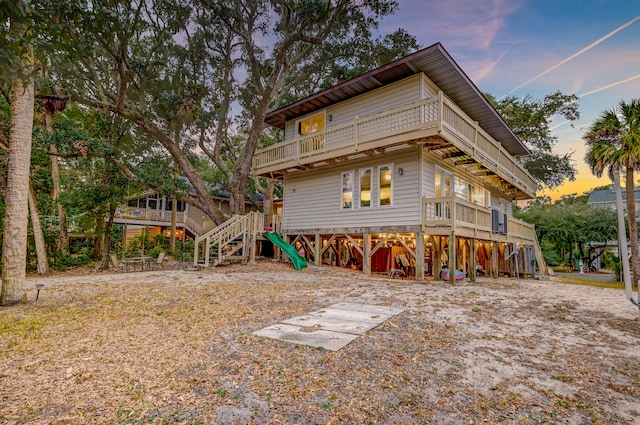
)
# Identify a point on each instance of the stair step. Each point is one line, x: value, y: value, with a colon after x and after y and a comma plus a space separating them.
x: 235, y: 257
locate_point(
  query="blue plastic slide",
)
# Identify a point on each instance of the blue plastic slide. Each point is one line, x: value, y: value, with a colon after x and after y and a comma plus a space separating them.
x: 298, y: 262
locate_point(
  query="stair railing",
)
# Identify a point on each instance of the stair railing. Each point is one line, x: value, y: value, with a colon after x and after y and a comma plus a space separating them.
x: 238, y: 225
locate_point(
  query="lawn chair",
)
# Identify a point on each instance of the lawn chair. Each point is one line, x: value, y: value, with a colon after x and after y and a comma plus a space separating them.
x: 117, y: 265
x: 159, y: 263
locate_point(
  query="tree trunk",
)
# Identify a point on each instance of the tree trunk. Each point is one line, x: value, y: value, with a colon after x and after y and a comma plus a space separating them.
x: 107, y: 238
x: 622, y: 233
x: 633, y: 226
x: 98, y: 238
x: 63, y: 232
x: 267, y: 205
x: 174, y: 215
x: 38, y: 236
x: 14, y: 249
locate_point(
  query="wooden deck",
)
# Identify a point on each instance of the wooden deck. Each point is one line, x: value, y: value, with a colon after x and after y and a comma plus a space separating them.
x: 437, y: 123
x: 155, y: 217
x: 442, y: 216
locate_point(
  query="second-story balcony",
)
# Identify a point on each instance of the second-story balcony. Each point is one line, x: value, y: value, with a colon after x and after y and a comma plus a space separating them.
x: 438, y: 123
x: 150, y: 216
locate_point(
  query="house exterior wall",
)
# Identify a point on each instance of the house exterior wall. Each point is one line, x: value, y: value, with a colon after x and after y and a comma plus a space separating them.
x: 429, y: 164
x: 401, y: 93
x: 312, y: 200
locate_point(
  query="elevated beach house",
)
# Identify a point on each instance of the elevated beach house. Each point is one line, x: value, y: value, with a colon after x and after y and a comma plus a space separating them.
x: 405, y: 170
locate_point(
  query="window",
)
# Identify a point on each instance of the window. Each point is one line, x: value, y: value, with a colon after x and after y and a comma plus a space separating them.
x: 365, y: 187
x: 480, y: 196
x: 385, y: 174
x: 347, y: 190
x: 306, y: 127
x: 311, y: 124
x: 443, y: 184
x: 460, y: 188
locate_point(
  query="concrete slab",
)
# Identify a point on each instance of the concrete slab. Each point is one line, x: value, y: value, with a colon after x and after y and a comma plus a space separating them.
x: 332, y: 341
x: 331, y: 324
x: 357, y: 316
x: 330, y: 328
x: 368, y: 308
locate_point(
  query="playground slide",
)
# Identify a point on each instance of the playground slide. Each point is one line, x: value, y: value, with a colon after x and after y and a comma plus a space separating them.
x: 298, y: 262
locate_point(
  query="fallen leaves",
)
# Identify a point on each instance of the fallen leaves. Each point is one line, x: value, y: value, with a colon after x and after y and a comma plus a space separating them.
x: 176, y: 347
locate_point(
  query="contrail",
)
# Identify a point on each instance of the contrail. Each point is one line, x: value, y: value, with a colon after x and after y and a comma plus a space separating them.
x: 599, y: 89
x: 573, y: 56
x: 608, y: 86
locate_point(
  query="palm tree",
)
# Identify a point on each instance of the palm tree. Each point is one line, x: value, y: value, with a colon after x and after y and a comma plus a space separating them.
x: 14, y: 243
x: 613, y: 142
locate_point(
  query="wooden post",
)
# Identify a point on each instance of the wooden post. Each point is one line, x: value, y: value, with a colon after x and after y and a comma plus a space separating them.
x: 437, y: 256
x: 452, y: 258
x: 366, y: 258
x: 472, y: 263
x: 495, y: 254
x: 419, y: 256
x: 317, y: 260
x: 254, y: 245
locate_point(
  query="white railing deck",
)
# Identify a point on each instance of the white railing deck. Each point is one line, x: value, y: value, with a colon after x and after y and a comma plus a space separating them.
x: 457, y: 214
x: 150, y: 214
x: 437, y: 116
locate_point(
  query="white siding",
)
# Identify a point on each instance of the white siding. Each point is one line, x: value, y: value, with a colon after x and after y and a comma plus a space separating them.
x: 290, y: 130
x: 429, y: 89
x: 384, y: 98
x: 428, y: 177
x: 312, y: 198
x: 507, y: 206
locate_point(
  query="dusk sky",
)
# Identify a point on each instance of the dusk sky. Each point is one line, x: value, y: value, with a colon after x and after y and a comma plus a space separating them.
x: 590, y: 48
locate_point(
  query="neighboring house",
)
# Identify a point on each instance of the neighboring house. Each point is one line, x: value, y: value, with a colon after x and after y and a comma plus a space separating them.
x: 606, y: 198
x: 405, y: 167
x: 152, y: 212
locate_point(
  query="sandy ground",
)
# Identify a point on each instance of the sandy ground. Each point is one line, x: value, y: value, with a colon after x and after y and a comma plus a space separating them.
x: 177, y: 347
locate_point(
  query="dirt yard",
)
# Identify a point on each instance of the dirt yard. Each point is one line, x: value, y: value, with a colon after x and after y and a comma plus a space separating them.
x: 176, y: 347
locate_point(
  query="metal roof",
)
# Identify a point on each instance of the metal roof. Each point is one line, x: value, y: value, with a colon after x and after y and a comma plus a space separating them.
x: 608, y: 196
x: 438, y: 65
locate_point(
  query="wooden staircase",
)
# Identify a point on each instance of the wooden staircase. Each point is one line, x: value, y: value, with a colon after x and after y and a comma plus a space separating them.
x: 542, y: 265
x: 233, y: 240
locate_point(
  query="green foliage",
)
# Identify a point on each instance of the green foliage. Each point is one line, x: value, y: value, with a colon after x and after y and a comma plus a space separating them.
x: 565, y: 227
x: 63, y: 262
x: 530, y: 120
x: 184, y: 251
x: 613, y: 144
x: 551, y: 256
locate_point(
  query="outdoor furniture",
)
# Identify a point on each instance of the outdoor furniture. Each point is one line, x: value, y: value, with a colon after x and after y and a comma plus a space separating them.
x: 135, y: 261
x: 117, y: 265
x: 396, y: 273
x: 159, y: 263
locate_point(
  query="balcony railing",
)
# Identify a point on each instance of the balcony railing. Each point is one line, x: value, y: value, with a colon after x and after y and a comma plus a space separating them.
x: 430, y: 117
x: 149, y: 214
x: 458, y: 214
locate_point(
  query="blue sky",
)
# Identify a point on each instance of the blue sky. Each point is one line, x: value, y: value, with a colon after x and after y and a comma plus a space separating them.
x: 590, y: 48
